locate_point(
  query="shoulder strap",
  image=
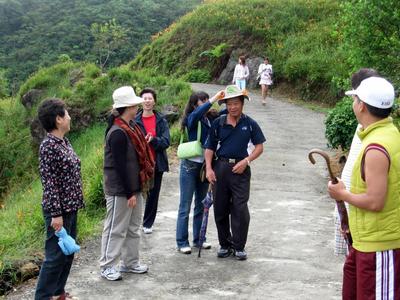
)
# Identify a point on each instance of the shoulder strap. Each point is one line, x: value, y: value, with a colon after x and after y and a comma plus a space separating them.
x: 198, y: 131
x: 187, y: 133
x: 370, y: 147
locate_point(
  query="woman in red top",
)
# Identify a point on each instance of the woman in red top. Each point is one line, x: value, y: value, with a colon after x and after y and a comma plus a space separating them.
x: 155, y: 128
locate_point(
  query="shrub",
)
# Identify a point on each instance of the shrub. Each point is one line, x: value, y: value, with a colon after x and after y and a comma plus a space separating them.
x: 64, y: 58
x: 341, y: 124
x: 175, y: 133
x: 121, y: 75
x: 92, y: 71
x: 198, y: 75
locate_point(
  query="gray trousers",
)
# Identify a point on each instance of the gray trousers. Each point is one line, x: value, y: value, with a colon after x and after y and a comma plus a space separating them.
x: 121, y: 233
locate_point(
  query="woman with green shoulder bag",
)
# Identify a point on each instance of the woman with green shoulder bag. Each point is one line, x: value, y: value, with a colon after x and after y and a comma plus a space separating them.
x: 197, y: 113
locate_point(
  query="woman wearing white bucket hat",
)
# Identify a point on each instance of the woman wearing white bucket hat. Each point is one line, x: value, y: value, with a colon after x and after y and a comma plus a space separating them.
x: 128, y: 171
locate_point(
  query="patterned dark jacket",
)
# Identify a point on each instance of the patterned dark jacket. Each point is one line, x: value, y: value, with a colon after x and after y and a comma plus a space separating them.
x: 60, y: 172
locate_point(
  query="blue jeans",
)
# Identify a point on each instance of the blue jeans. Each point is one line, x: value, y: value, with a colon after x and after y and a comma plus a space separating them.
x: 56, y: 266
x: 241, y: 83
x: 189, y: 181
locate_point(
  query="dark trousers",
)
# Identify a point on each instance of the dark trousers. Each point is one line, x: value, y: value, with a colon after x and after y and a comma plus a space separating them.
x: 56, y: 266
x: 231, y: 194
x: 150, y: 210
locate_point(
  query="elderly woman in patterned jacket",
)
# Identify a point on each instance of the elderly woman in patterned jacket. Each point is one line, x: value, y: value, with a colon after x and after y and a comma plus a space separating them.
x: 60, y: 172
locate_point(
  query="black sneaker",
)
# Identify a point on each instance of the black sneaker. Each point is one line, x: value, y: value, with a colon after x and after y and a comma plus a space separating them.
x: 240, y: 255
x: 224, y: 252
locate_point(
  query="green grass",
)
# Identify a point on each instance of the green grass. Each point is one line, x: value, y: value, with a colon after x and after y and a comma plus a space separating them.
x: 17, y: 156
x: 22, y: 235
x: 21, y: 220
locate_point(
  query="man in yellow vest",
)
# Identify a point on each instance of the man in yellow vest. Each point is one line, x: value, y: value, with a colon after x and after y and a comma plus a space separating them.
x: 372, y: 267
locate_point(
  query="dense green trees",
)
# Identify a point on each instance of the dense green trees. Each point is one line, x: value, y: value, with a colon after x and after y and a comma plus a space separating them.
x: 370, y: 35
x: 33, y: 33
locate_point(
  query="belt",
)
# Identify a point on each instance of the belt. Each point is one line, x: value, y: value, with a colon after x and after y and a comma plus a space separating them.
x: 230, y: 160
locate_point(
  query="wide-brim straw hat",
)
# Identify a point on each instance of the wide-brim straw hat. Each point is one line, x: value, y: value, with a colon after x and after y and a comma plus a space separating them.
x: 232, y: 91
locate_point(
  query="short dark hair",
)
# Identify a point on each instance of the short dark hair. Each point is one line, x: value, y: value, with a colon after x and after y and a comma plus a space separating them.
x: 48, y: 112
x: 378, y: 112
x: 192, y: 104
x: 151, y: 91
x: 362, y: 74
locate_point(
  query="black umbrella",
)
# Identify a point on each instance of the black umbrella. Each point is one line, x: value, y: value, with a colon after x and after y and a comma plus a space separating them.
x: 207, y: 202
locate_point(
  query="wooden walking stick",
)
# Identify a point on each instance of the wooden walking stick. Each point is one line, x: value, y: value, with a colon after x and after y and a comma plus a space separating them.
x: 344, y: 219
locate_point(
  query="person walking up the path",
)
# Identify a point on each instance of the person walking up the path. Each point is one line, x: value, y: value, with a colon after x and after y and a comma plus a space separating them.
x: 196, y: 112
x: 372, y: 268
x: 265, y: 75
x: 241, y: 73
x: 156, y: 131
x: 340, y: 243
x: 230, y: 172
x: 128, y: 171
x: 60, y: 173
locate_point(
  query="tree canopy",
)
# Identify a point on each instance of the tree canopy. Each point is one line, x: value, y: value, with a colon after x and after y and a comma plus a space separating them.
x: 34, y: 33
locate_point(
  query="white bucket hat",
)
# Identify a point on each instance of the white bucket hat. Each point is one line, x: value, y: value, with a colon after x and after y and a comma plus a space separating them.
x: 125, y: 96
x: 375, y: 91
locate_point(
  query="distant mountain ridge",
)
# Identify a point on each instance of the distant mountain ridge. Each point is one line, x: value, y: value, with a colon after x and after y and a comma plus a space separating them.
x: 34, y: 33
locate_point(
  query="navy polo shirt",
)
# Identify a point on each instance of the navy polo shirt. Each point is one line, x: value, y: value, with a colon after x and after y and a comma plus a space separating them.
x: 231, y: 142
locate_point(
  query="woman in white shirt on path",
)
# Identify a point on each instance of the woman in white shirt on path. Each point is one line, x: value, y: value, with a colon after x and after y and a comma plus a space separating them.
x: 265, y: 75
x: 241, y: 73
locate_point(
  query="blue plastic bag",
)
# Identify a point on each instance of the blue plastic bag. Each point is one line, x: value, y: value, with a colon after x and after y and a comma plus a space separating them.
x: 66, y: 242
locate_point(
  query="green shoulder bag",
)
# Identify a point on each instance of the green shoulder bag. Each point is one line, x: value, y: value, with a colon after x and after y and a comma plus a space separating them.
x: 190, y: 149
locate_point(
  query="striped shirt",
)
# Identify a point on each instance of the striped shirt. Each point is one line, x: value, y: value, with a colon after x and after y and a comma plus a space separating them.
x: 340, y: 244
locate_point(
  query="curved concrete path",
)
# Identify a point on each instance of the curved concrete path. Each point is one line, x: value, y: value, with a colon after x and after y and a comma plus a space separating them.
x: 290, y: 243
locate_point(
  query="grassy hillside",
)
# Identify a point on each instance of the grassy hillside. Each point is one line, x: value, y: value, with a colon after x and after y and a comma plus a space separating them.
x: 314, y: 45
x: 35, y: 33
x: 296, y: 35
x: 87, y: 93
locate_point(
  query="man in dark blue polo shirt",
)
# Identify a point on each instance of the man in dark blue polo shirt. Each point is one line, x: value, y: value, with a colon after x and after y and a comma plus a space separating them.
x: 229, y: 173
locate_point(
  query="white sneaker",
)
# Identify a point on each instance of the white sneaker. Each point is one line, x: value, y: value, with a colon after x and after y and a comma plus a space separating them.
x: 148, y: 230
x: 138, y: 269
x: 111, y: 274
x: 205, y: 246
x: 185, y: 250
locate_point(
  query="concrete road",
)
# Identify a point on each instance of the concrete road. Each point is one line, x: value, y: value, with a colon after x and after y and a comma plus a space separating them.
x: 290, y: 243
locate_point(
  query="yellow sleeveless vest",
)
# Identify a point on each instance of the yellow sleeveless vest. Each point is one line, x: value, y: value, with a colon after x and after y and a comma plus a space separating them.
x: 378, y: 231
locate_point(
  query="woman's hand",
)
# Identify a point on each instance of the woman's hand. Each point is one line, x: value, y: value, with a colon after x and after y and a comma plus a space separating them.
x: 217, y: 96
x: 149, y: 137
x: 57, y: 223
x: 132, y: 201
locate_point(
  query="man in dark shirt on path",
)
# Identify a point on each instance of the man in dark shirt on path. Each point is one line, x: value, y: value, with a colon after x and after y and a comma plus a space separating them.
x: 230, y: 172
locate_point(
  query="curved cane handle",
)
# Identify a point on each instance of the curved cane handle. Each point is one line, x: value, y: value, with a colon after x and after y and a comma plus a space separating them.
x: 327, y: 159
